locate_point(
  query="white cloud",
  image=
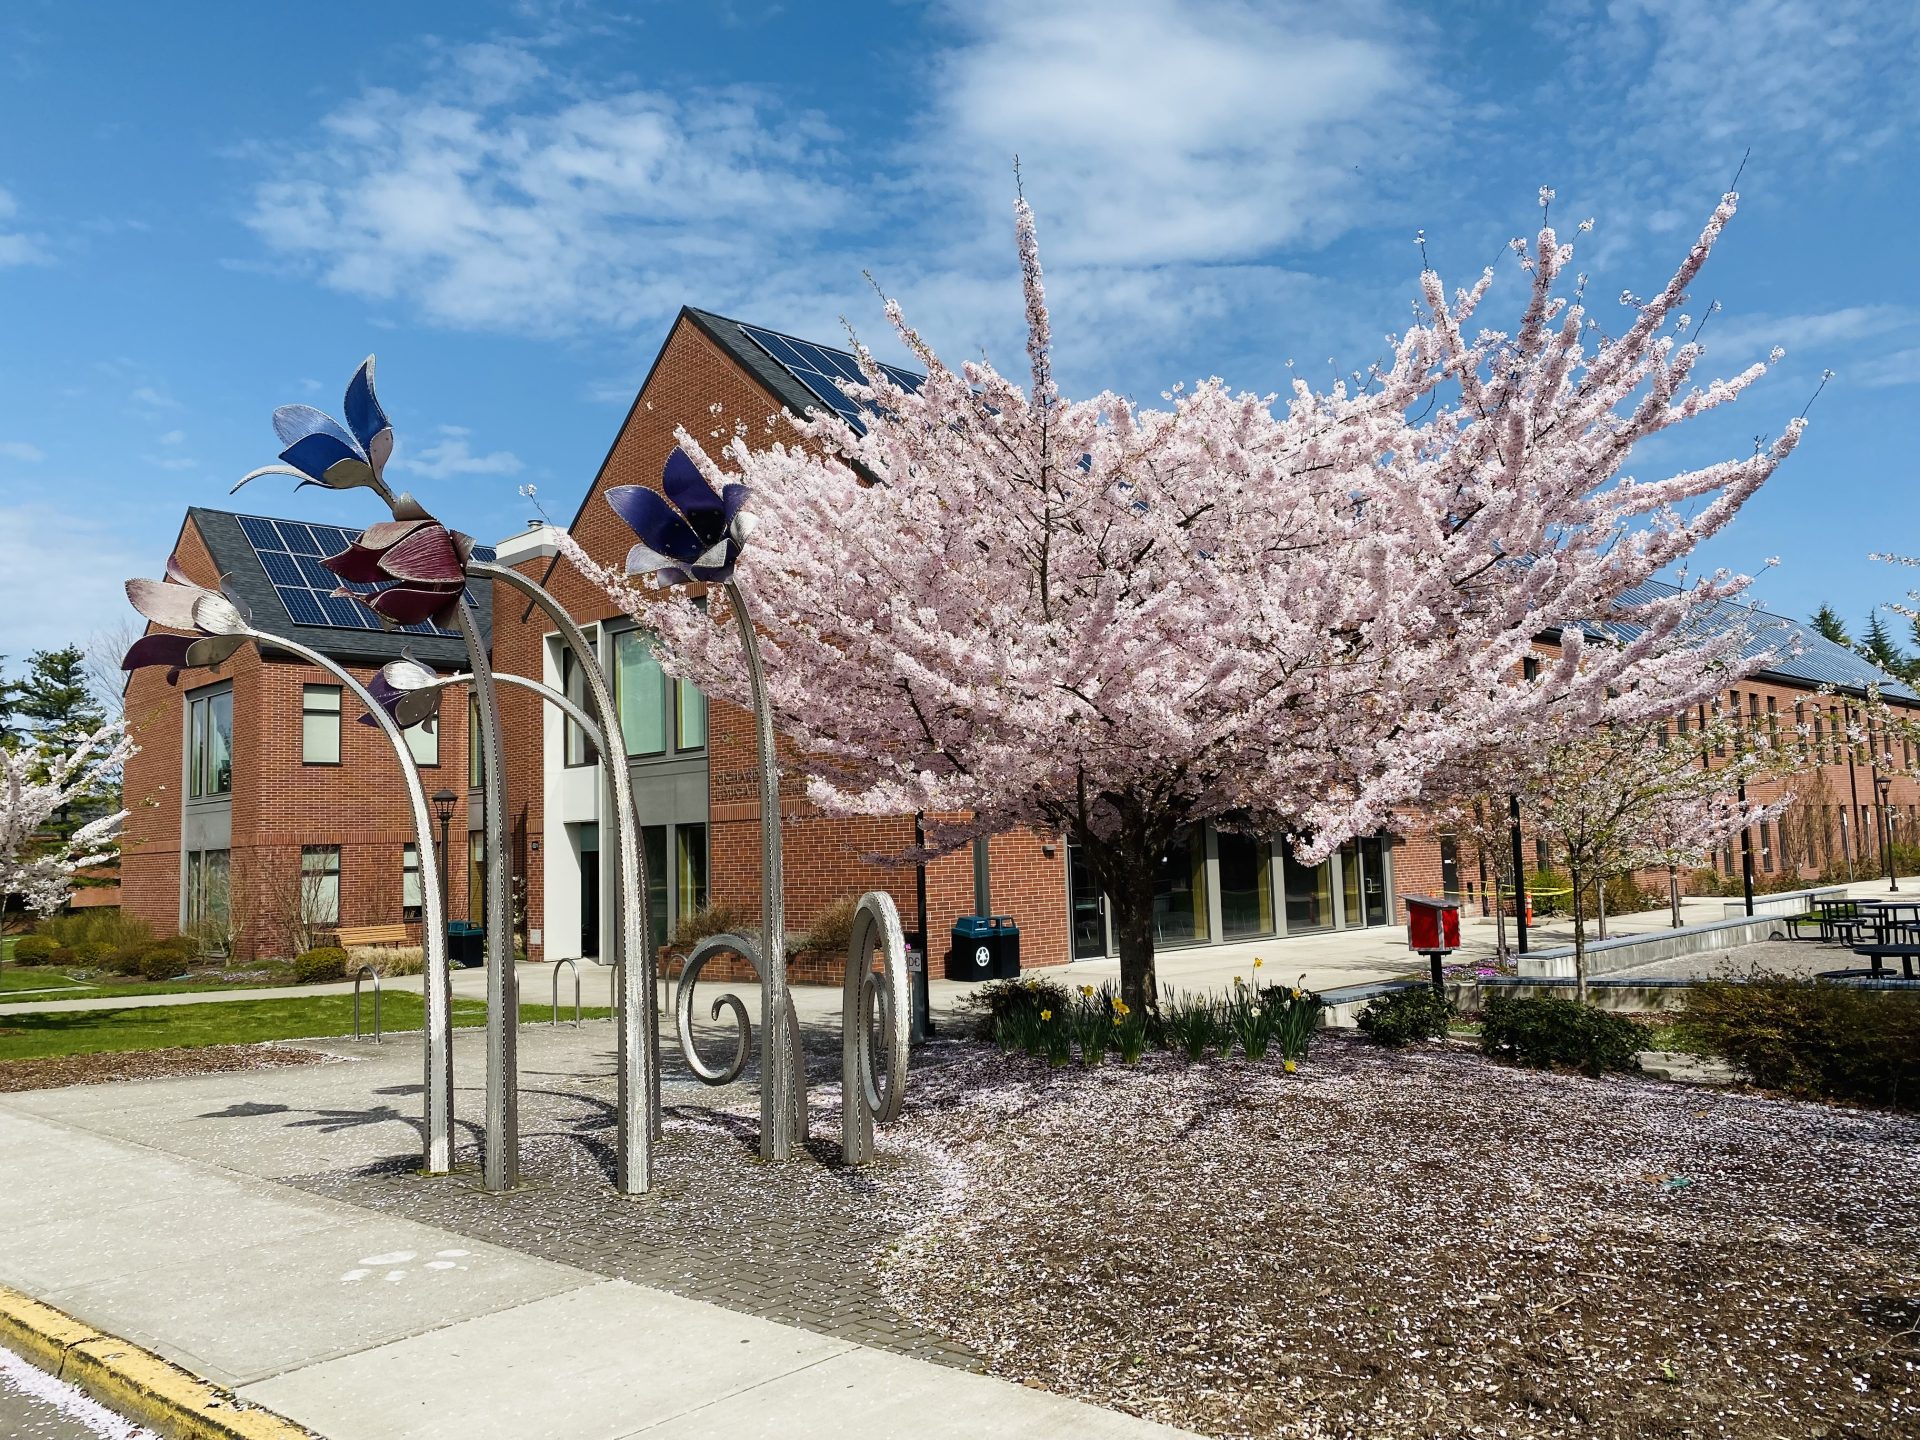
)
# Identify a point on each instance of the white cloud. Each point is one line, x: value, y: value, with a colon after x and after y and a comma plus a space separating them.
x: 173, y: 437
x: 21, y: 450
x: 1900, y: 368
x: 17, y: 247
x: 171, y: 462
x: 152, y: 398
x: 602, y: 211
x: 48, y: 554
x: 452, y: 455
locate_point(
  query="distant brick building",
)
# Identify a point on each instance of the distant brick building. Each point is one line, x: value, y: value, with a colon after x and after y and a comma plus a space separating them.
x: 340, y: 825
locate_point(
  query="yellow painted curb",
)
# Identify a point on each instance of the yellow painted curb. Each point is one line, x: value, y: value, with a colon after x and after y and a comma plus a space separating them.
x: 133, y: 1382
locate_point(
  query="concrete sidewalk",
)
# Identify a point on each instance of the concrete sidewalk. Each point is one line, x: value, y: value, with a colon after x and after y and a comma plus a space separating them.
x: 145, y: 1210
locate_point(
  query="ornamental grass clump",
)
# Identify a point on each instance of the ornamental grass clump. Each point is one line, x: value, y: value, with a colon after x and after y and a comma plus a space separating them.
x: 1296, y: 1014
x: 1129, y: 1031
x: 1251, y: 1019
x: 1056, y: 1037
x: 1092, y: 1022
x: 1191, y: 1025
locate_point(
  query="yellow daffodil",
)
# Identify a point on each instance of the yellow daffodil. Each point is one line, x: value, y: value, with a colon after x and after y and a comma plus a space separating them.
x: 1087, y: 990
x: 1046, y: 1014
x: 1238, y: 981
x: 1258, y: 962
x: 1298, y: 994
x: 1289, y: 1067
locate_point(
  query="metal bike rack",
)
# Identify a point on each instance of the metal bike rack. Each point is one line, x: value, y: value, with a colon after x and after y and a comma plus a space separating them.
x: 554, y: 1018
x: 364, y: 973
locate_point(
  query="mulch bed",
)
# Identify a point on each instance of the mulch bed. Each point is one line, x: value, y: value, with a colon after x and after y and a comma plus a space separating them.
x: 54, y: 1071
x: 1418, y: 1244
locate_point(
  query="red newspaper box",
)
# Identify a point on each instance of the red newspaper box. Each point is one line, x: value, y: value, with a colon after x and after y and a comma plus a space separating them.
x: 1433, y: 928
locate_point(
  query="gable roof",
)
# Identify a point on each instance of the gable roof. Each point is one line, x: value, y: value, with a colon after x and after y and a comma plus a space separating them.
x: 240, y: 566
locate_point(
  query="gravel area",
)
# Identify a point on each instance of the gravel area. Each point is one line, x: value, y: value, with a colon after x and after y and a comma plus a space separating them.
x: 1800, y: 958
x: 1421, y: 1244
x: 54, y: 1071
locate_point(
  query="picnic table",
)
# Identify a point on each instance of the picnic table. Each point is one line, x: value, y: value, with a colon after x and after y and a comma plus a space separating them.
x: 1888, y: 930
x: 1838, y: 919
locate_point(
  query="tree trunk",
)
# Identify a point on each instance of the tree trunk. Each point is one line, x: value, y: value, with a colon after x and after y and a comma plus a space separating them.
x: 1132, y: 903
x: 1579, y: 937
x: 1600, y: 897
x: 1673, y: 894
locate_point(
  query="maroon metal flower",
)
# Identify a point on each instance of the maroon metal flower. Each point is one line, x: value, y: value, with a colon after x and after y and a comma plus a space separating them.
x: 425, y: 562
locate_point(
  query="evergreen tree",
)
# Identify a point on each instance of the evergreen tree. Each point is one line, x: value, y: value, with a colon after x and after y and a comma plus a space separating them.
x: 54, y: 701
x: 1828, y: 624
x: 7, y: 690
x: 1877, y: 645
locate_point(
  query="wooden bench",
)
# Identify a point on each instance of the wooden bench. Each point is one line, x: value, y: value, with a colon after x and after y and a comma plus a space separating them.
x: 361, y: 936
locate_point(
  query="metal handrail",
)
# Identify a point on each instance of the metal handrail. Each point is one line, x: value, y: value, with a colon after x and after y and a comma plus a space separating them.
x: 364, y: 972
x: 554, y: 1018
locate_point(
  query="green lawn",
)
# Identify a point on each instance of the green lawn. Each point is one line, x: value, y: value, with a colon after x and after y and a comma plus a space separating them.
x: 50, y: 979
x: 232, y: 1022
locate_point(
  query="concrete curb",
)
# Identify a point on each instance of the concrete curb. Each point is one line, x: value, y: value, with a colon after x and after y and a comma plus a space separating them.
x: 133, y: 1382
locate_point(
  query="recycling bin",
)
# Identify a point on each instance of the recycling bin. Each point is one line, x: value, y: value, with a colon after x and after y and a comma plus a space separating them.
x: 985, y: 947
x: 466, y: 944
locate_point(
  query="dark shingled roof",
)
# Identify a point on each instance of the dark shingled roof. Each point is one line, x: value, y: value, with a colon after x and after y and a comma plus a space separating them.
x: 234, y: 557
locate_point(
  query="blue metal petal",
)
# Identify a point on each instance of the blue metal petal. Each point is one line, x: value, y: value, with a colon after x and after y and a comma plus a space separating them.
x: 364, y: 416
x: 686, y: 487
x: 313, y: 455
x: 293, y: 423
x: 660, y: 527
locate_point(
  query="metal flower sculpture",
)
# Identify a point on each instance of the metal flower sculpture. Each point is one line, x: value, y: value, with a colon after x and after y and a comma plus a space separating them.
x: 425, y: 562
x: 219, y: 624
x: 695, y: 537
x: 691, y: 532
x: 406, y: 690
x: 322, y: 451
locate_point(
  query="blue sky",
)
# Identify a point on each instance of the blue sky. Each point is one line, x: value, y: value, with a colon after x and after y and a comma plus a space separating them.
x: 208, y: 212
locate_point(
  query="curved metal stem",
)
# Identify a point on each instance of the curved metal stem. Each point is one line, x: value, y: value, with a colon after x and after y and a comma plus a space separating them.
x: 501, y: 1169
x: 638, y: 1049
x: 436, y: 983
x: 545, y: 692
x: 782, y: 1068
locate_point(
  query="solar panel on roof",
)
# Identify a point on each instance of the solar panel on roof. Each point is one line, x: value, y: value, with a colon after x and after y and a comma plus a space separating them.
x: 819, y: 368
x: 290, y: 551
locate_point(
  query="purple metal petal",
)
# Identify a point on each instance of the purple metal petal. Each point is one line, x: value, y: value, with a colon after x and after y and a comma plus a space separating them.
x: 428, y: 555
x: 409, y: 604
x: 356, y: 563
x: 685, y: 486
x: 157, y: 650
x: 660, y: 527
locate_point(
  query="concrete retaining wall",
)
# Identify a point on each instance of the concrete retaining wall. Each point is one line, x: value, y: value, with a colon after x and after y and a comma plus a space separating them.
x: 1787, y: 902
x: 1623, y: 952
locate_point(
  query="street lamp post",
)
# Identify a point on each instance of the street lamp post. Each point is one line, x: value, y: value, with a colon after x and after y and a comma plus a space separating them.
x: 443, y: 803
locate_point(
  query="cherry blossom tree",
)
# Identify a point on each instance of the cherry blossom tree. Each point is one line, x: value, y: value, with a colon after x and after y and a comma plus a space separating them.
x: 1283, y: 614
x: 1615, y: 799
x: 35, y: 785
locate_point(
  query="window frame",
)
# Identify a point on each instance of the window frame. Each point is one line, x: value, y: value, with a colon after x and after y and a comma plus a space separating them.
x: 201, y: 705
x: 308, y: 711
x: 430, y: 727
x: 330, y: 869
x: 410, y: 871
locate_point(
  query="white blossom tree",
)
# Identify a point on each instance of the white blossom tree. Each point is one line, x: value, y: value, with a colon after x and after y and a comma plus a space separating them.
x: 1115, y: 621
x: 34, y: 787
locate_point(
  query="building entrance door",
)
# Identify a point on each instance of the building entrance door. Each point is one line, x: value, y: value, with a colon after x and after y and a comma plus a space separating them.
x: 1086, y: 908
x: 589, y: 891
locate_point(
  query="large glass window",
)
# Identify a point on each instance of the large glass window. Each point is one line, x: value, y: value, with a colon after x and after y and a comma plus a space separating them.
x: 320, y: 884
x: 1309, y: 894
x: 320, y: 725
x: 1246, y: 885
x: 410, y: 898
x: 573, y: 684
x: 423, y: 742
x: 208, y: 889
x: 653, y: 839
x: 690, y: 718
x: 639, y: 689
x: 476, y: 766
x: 690, y: 869
x: 477, y: 877
x: 210, y: 744
x: 1180, y: 891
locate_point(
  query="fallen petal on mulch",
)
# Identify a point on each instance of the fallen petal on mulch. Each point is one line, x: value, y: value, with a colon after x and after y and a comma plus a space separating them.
x: 55, y: 1071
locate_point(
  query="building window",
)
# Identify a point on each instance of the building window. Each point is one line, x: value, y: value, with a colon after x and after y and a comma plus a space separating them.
x: 320, y: 725
x: 1766, y: 846
x: 476, y: 761
x: 1773, y: 721
x: 410, y: 898
x: 423, y: 742
x: 1180, y: 891
x: 690, y: 869
x: 209, y: 891
x: 690, y: 717
x: 573, y: 684
x: 1246, y: 885
x: 640, y: 693
x: 477, y: 877
x: 1309, y: 894
x: 320, y: 885
x: 210, y: 744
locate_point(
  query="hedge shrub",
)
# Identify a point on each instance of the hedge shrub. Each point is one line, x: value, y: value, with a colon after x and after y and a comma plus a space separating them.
x: 325, y: 962
x: 164, y: 959
x: 1401, y: 1017
x: 1811, y: 1037
x: 1552, y: 1032
x: 36, y: 950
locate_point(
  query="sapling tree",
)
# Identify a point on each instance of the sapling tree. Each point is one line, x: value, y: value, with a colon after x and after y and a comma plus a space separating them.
x: 1114, y: 621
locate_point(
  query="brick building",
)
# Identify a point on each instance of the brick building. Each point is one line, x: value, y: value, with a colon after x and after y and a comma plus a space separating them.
x: 693, y: 767
x: 258, y: 806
